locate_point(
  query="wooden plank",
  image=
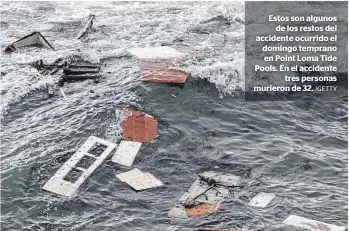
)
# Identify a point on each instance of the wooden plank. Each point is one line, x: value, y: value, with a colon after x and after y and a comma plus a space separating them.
x: 311, y: 225
x: 156, y: 53
x: 126, y: 152
x: 58, y: 185
x: 261, y: 200
x: 139, y: 180
x: 137, y: 126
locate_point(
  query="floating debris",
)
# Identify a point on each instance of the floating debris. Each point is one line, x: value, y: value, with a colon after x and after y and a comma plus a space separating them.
x: 137, y: 126
x: 139, y: 180
x: 161, y: 71
x: 311, y: 224
x: 87, y: 25
x: 205, y: 194
x: 126, y: 152
x: 95, y: 150
x: 261, y: 200
x: 34, y: 39
x: 159, y: 64
x: 50, y: 91
x: 156, y: 53
x: 80, y: 72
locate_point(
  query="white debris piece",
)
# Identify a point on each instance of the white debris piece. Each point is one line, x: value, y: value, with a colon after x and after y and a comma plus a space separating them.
x: 57, y: 184
x: 156, y: 53
x: 311, y: 224
x: 139, y: 180
x: 63, y: 93
x: 200, y: 192
x: 261, y: 200
x: 126, y: 152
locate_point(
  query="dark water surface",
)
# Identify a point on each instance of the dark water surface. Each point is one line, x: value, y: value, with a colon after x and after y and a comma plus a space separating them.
x: 296, y: 150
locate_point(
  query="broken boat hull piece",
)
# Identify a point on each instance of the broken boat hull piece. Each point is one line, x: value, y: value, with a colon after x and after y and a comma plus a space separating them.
x: 160, y: 71
x: 205, y: 194
x: 58, y: 183
x: 137, y: 126
x: 87, y: 25
x: 33, y: 39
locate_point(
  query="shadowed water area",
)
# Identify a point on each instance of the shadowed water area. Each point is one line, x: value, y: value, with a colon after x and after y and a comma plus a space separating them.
x: 296, y: 150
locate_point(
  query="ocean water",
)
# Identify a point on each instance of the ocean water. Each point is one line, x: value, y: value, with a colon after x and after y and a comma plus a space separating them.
x: 296, y: 150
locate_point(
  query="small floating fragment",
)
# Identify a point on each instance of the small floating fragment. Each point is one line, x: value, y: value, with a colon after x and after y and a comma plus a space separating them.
x: 311, y: 224
x: 261, y: 200
x: 126, y: 152
x: 139, y: 180
x: 94, y: 151
x: 137, y: 126
x: 87, y: 25
x: 163, y: 52
x: 205, y: 194
x: 33, y: 39
x: 50, y: 91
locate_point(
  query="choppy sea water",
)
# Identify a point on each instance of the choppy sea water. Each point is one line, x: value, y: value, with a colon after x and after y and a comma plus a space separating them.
x: 296, y: 150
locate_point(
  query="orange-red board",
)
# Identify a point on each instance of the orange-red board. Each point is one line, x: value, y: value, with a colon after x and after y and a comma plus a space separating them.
x: 201, y: 209
x: 138, y: 126
x: 161, y: 71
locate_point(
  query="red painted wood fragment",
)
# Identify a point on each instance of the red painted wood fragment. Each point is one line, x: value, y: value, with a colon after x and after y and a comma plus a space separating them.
x: 137, y: 125
x: 201, y: 209
x: 161, y: 71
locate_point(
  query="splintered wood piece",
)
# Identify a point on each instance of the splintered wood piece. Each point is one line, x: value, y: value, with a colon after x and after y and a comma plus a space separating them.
x: 126, y: 152
x: 161, y: 71
x: 139, y: 180
x: 203, y: 198
x: 202, y: 209
x: 57, y: 183
x: 311, y: 224
x: 156, y: 53
x: 137, y: 126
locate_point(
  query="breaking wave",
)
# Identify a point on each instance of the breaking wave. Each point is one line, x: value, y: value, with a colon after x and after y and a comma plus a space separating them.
x: 213, y: 30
